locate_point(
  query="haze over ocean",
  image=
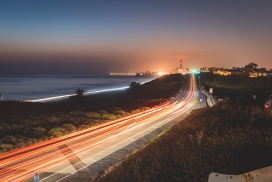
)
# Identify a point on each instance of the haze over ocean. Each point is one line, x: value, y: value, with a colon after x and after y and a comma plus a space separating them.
x: 34, y: 87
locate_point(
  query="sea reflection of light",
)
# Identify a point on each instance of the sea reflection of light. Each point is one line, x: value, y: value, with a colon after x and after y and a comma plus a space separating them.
x: 66, y: 96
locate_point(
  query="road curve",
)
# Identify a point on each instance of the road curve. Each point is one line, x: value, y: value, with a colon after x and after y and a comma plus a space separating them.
x: 74, y: 152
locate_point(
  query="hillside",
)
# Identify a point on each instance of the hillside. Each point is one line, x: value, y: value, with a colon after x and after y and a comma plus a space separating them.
x: 229, y: 138
x: 238, y: 87
x: 23, y: 124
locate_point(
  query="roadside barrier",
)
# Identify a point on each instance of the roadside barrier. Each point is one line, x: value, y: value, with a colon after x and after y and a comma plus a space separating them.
x: 259, y: 175
x: 210, y: 100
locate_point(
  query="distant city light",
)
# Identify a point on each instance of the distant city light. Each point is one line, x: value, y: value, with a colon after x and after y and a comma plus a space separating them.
x: 195, y: 71
x: 162, y: 73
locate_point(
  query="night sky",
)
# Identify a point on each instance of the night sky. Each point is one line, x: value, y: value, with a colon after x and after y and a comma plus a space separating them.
x: 96, y: 37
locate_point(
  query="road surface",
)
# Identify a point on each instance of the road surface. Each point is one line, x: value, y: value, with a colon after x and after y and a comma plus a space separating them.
x: 83, y: 155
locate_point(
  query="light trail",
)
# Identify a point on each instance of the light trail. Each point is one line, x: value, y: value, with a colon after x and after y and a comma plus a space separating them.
x: 69, y: 95
x: 89, y: 92
x: 20, y: 164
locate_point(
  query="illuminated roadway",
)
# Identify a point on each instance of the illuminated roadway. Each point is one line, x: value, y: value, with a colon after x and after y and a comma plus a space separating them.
x: 62, y: 158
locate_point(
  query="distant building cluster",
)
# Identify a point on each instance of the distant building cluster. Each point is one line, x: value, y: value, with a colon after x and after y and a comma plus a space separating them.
x: 154, y: 73
x: 147, y: 73
x: 250, y: 70
x: 173, y: 71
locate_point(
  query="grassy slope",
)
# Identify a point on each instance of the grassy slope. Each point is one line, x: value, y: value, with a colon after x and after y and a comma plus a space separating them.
x: 23, y: 124
x: 230, y: 138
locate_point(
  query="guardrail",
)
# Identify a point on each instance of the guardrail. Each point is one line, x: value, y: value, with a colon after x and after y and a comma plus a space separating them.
x: 259, y: 175
x: 210, y: 100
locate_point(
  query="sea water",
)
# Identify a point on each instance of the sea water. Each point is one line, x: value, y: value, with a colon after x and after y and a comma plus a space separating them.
x: 36, y: 87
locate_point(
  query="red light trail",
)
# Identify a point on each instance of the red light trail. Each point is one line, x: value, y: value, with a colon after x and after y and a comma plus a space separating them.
x: 20, y: 164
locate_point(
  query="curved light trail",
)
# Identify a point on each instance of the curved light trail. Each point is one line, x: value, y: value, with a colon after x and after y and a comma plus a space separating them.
x: 20, y: 164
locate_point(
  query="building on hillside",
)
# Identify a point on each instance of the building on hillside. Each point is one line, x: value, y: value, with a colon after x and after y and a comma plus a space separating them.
x: 260, y: 73
x: 251, y: 71
x: 213, y: 69
x: 224, y: 72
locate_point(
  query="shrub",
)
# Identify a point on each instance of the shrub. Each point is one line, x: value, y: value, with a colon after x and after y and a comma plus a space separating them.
x: 6, y: 147
x: 121, y: 112
x: 56, y: 132
x: 118, y: 116
x: 79, y: 92
x: 109, y: 116
x: 20, y: 144
x: 135, y: 111
x: 143, y: 108
x: 69, y: 127
x: 82, y: 127
x: 93, y: 115
x: 10, y: 139
x: 134, y: 85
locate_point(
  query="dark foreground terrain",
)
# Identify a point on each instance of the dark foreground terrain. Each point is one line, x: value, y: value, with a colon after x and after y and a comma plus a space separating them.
x: 23, y: 123
x: 230, y: 138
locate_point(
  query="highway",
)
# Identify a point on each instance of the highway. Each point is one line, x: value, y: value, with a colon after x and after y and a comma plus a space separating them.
x: 60, y: 158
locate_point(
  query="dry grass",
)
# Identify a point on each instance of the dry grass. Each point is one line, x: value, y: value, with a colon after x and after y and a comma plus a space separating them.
x: 230, y: 138
x: 23, y: 124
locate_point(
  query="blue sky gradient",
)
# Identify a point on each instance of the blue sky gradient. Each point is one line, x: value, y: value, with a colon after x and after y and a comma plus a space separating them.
x: 97, y: 37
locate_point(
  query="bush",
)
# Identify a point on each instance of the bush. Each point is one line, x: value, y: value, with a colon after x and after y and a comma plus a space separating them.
x: 20, y: 144
x: 69, y: 127
x: 121, y: 112
x: 79, y: 92
x: 10, y: 139
x: 134, y: 85
x: 82, y: 127
x: 56, y: 132
x: 118, y: 116
x: 135, y: 111
x: 4, y: 147
x: 93, y: 115
x: 109, y: 116
x: 143, y: 108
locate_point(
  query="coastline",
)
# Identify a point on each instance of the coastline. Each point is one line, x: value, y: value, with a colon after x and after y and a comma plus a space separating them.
x: 27, y: 123
x: 40, y: 87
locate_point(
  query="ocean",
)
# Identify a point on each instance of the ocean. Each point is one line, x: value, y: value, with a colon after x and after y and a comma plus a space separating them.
x: 36, y: 87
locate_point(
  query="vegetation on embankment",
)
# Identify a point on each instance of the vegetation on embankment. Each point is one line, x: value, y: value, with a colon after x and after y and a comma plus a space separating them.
x: 23, y: 124
x: 230, y: 138
x: 238, y: 87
